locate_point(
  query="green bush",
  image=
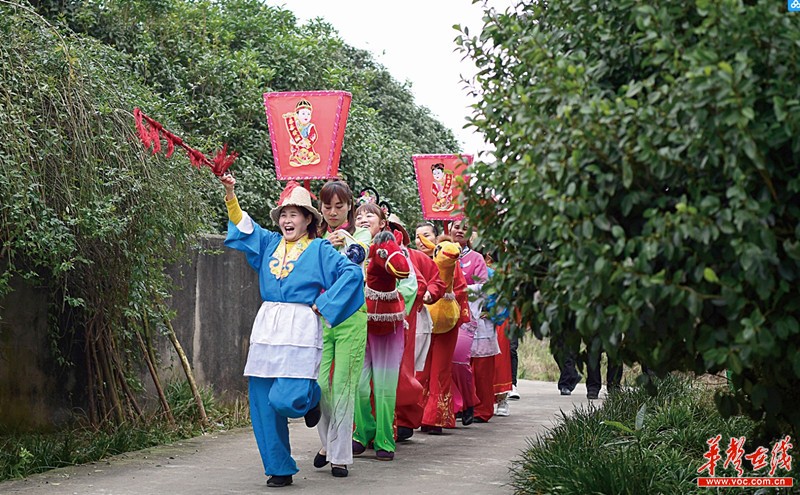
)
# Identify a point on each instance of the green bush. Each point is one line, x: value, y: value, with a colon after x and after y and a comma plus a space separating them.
x: 645, y: 182
x: 83, y: 212
x: 634, y: 443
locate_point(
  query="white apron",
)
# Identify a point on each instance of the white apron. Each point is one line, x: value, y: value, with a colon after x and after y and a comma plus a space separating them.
x: 423, y: 338
x: 286, y: 342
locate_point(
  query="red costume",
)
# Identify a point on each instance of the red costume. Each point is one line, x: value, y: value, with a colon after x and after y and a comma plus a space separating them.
x: 409, y: 390
x: 437, y: 377
x: 502, y: 361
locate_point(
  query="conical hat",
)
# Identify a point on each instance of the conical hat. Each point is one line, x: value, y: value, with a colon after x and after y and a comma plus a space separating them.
x: 295, y: 195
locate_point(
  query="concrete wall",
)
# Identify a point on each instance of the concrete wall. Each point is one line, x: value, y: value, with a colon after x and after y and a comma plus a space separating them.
x: 215, y: 301
x: 35, y: 391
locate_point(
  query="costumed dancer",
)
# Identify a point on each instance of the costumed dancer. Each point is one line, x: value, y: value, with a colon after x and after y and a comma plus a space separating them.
x: 502, y: 370
x: 430, y: 288
x: 424, y: 323
x: 300, y: 278
x: 464, y: 396
x: 342, y: 346
x: 386, y: 311
x: 484, y: 345
x: 502, y: 362
x: 447, y: 314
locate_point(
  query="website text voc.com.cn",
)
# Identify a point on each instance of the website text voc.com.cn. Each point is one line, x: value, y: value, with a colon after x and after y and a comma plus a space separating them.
x: 722, y: 482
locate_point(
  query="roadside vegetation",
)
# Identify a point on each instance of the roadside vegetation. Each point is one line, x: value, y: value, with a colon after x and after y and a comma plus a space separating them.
x: 24, y: 454
x: 636, y: 443
x: 644, y: 188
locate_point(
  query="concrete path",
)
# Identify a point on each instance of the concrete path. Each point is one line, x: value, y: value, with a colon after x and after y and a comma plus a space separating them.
x: 473, y: 459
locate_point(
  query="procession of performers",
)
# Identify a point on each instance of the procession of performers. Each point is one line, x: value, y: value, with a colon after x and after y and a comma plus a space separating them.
x: 365, y: 337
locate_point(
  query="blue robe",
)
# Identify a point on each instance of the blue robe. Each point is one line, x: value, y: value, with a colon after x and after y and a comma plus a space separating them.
x: 314, y: 273
x: 286, y: 342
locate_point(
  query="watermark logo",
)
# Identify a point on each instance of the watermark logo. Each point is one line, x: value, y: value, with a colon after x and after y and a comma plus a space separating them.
x: 760, y: 459
x: 794, y: 5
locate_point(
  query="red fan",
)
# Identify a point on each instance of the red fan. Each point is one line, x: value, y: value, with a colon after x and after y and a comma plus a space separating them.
x: 151, y: 131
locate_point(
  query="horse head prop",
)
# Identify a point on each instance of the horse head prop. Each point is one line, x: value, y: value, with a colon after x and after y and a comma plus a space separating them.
x: 387, y: 264
x: 445, y: 312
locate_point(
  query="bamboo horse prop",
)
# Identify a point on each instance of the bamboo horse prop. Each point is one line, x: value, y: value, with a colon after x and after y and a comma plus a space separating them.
x: 445, y: 312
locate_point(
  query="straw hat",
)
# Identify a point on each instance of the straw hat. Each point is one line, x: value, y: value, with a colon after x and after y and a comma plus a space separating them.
x: 295, y: 195
x: 395, y: 224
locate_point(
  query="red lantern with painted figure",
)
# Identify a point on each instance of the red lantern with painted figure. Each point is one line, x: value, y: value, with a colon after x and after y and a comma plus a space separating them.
x: 438, y: 186
x: 306, y: 130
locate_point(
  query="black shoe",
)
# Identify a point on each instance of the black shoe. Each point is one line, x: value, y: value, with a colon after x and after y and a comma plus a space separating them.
x: 320, y: 460
x: 592, y: 395
x: 468, y: 416
x: 339, y: 471
x: 278, y: 481
x: 481, y: 420
x: 358, y: 449
x: 404, y: 433
x: 565, y: 391
x: 312, y: 417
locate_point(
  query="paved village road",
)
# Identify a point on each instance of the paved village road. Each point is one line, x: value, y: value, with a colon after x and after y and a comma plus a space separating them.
x: 474, y: 459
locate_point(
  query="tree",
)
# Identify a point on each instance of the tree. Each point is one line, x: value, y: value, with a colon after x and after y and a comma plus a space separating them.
x: 88, y: 213
x: 211, y: 61
x: 645, y: 182
x: 83, y: 212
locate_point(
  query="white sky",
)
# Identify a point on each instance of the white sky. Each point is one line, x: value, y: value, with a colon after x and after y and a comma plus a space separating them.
x: 414, y: 40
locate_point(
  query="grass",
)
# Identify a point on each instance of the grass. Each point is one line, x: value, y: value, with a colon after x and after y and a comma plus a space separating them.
x: 537, y: 363
x: 23, y: 454
x: 633, y: 444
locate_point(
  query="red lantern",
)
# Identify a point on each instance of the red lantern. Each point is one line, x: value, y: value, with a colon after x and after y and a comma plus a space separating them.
x: 306, y: 129
x: 438, y: 187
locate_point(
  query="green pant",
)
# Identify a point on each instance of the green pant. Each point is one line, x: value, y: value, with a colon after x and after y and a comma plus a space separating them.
x: 343, y: 350
x: 381, y: 368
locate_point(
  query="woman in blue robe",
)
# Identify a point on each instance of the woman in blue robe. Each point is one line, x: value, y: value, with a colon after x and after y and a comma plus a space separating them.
x: 301, y: 278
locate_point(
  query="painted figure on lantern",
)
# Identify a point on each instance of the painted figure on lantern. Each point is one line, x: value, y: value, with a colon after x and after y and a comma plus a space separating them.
x: 442, y: 188
x: 302, y: 135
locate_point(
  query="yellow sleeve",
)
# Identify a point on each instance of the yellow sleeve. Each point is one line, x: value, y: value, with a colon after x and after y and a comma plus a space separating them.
x: 235, y: 213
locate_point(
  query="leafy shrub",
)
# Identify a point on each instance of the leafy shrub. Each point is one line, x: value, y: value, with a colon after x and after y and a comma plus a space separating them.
x: 634, y: 443
x: 211, y: 62
x: 645, y: 182
x: 85, y: 213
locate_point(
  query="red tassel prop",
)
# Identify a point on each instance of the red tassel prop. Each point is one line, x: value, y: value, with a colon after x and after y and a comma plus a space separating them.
x: 222, y: 160
x: 151, y: 131
x: 287, y: 191
x: 144, y: 133
x: 155, y: 139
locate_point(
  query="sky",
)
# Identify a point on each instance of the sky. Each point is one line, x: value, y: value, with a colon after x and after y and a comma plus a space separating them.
x: 414, y: 40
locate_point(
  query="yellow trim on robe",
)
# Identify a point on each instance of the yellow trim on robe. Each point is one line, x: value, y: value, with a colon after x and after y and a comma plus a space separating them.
x: 285, y: 255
